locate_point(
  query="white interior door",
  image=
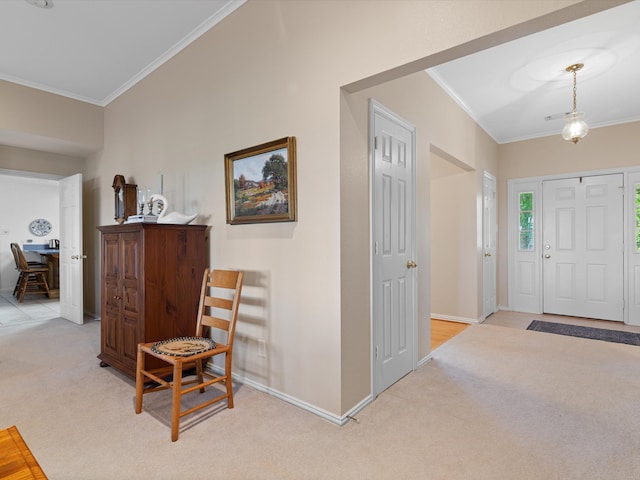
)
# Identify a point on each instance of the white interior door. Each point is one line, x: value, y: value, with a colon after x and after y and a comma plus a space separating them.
x: 71, y: 256
x: 393, y: 221
x: 489, y: 231
x: 583, y: 247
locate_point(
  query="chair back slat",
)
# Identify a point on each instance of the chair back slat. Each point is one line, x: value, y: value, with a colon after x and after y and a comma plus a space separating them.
x: 220, y: 297
x: 22, y: 260
x: 224, y: 279
x: 14, y: 249
x: 216, y: 302
x: 215, y: 322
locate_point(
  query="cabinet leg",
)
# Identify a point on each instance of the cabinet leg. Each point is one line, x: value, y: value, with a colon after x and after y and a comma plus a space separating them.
x: 103, y: 365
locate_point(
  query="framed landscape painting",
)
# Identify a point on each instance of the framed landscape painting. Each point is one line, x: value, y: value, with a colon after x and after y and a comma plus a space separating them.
x: 261, y: 183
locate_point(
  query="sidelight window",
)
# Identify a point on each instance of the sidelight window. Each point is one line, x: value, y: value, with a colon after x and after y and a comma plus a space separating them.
x: 526, y: 242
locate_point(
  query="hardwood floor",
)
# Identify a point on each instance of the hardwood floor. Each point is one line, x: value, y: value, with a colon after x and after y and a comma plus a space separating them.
x: 442, y: 330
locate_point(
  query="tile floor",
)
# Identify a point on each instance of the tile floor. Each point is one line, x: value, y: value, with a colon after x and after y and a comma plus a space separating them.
x: 35, y: 308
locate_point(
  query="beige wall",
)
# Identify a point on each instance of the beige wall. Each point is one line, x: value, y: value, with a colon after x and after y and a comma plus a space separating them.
x: 454, y: 287
x: 272, y: 69
x: 603, y: 149
x: 51, y: 122
x: 35, y: 161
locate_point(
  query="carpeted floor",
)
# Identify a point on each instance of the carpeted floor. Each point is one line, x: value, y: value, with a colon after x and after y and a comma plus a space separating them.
x: 494, y: 403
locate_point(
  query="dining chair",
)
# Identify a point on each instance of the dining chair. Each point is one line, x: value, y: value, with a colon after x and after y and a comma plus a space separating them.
x: 32, y: 277
x: 219, y: 297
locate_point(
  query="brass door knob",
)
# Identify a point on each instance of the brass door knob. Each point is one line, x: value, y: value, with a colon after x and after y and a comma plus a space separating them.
x: 487, y: 254
x: 411, y: 264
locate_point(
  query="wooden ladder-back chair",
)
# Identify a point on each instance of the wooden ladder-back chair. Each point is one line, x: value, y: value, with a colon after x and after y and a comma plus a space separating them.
x: 219, y: 296
x: 32, y: 277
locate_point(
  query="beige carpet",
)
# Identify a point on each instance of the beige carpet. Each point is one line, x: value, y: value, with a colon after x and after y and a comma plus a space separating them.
x: 494, y: 403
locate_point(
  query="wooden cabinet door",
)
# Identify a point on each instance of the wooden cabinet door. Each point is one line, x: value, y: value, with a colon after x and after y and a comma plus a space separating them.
x: 131, y: 301
x: 110, y: 324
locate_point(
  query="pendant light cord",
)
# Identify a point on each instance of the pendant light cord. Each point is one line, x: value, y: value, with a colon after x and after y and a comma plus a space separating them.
x: 575, y: 89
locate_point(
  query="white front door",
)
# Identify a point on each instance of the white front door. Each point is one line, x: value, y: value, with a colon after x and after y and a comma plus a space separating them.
x: 582, y: 247
x: 489, y: 231
x: 393, y: 225
x: 71, y: 257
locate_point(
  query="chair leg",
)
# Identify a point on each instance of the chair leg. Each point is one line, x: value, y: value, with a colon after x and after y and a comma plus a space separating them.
x: 228, y: 382
x: 46, y: 284
x: 26, y: 279
x: 18, y: 283
x: 22, y: 290
x: 175, y: 402
x: 199, y: 374
x: 139, y: 379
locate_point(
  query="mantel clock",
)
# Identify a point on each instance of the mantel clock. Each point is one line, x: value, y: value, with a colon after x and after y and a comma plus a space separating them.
x: 125, y: 198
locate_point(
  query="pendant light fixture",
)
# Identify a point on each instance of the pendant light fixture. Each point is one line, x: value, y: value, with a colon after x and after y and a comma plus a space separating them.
x: 575, y: 127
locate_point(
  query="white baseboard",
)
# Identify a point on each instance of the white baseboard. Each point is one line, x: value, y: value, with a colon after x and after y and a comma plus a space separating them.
x: 423, y: 361
x: 450, y: 318
x: 330, y: 417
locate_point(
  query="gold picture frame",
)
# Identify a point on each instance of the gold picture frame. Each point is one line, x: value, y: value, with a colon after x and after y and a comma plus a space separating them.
x: 260, y: 183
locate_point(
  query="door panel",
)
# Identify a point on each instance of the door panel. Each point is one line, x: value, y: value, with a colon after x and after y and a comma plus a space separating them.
x: 583, y: 247
x: 71, y: 256
x: 393, y: 293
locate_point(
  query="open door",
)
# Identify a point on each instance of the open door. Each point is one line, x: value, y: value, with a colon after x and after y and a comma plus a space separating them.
x: 71, y: 256
x: 489, y: 234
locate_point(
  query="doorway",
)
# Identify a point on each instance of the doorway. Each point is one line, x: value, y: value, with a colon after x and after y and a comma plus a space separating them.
x: 59, y: 201
x: 566, y: 248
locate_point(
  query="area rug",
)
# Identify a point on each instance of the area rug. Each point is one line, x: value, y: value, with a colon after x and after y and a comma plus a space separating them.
x: 603, y: 334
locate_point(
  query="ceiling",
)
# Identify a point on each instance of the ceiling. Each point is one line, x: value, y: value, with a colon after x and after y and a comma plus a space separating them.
x: 94, y: 50
x: 510, y: 89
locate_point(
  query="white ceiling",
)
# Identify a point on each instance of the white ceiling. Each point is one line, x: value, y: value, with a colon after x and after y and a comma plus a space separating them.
x: 94, y: 50
x: 511, y: 88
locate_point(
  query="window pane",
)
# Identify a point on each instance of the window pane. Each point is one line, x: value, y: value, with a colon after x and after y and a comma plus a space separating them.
x: 526, y: 201
x: 526, y: 222
x: 526, y: 240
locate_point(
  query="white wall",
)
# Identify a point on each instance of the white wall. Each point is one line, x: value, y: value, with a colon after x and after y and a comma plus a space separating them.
x: 21, y: 201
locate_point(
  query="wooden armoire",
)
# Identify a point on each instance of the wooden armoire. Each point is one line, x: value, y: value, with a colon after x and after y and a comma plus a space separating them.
x: 151, y: 275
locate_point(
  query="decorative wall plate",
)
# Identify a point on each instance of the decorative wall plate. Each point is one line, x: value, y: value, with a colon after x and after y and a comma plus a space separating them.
x: 40, y: 227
